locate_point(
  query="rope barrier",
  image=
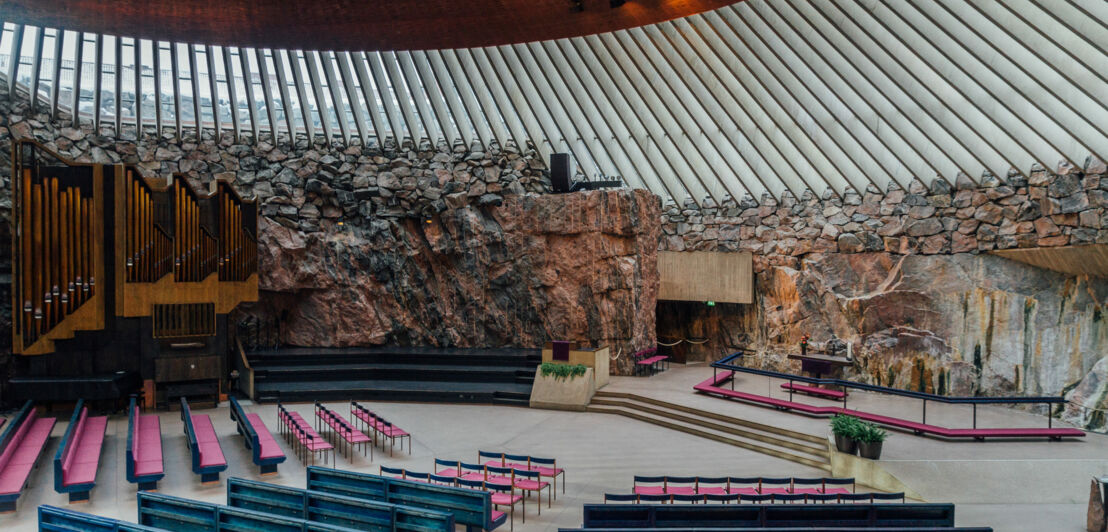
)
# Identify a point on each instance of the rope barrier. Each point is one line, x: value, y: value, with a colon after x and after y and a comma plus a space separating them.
x: 686, y: 340
x: 619, y: 354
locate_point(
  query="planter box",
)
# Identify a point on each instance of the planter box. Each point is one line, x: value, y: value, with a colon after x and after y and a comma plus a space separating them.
x: 569, y: 393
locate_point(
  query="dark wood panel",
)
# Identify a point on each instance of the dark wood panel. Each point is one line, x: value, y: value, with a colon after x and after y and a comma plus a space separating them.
x: 348, y: 25
x: 186, y: 368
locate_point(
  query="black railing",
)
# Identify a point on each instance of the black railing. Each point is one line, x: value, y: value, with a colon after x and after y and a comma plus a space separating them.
x: 726, y: 363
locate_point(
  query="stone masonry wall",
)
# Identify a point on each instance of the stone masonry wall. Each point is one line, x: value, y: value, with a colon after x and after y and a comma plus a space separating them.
x: 904, y: 276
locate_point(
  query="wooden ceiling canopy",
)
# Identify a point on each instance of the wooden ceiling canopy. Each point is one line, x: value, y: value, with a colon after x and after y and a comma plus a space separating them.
x: 348, y: 24
x: 1090, y: 259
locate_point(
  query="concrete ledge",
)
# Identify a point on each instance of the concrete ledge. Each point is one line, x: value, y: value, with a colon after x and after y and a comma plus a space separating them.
x: 867, y: 472
x: 571, y: 393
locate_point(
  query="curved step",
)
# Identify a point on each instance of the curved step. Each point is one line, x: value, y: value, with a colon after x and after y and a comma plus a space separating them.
x: 813, y: 450
x: 802, y: 436
x: 776, y: 453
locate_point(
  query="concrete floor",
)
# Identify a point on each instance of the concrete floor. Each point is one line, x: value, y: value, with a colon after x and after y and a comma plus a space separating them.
x: 1011, y: 486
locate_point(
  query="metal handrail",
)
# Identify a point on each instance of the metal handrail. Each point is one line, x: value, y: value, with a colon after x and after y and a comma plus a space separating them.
x: 725, y: 363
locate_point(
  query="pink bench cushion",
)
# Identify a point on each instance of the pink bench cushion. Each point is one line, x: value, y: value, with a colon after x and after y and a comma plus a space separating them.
x: 649, y: 490
x: 83, y: 462
x: 268, y: 447
x: 20, y: 459
x: 148, y: 438
x: 210, y: 452
x: 813, y: 390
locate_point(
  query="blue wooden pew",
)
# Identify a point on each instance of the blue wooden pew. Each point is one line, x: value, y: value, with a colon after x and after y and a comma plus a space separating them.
x: 54, y: 519
x: 816, y: 516
x: 265, y: 451
x: 184, y: 515
x: 78, y: 455
x: 329, y: 508
x: 207, y: 455
x: 471, y: 508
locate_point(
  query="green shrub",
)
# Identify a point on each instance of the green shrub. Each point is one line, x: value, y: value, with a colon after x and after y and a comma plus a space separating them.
x: 562, y: 371
x: 870, y: 433
x: 843, y: 425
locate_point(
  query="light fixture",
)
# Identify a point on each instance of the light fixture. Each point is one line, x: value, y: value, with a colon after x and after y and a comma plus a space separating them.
x: 711, y: 303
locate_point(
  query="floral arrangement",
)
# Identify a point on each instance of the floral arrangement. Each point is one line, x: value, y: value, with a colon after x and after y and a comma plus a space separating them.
x: 804, y: 340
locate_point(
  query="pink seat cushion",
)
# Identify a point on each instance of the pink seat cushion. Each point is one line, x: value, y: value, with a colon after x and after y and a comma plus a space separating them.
x: 202, y: 428
x: 473, y: 476
x: 548, y: 471
x: 713, y: 490
x: 680, y: 490
x: 650, y: 490
x: 393, y: 432
x: 267, y: 446
x: 22, y: 459
x: 452, y: 472
x: 837, y: 491
x: 774, y: 491
x: 207, y: 442
x: 149, y: 467
x: 504, y: 498
x: 744, y: 490
x: 531, y: 484
x: 497, y: 515
x: 807, y: 491
x: 82, y: 473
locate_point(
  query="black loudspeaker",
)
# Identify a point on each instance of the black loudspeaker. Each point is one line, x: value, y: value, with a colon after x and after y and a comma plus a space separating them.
x: 559, y: 172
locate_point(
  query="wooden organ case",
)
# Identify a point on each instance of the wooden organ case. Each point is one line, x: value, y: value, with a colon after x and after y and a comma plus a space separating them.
x: 121, y: 281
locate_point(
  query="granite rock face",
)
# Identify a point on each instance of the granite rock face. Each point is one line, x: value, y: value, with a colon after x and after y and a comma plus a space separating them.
x: 409, y: 243
x: 579, y: 266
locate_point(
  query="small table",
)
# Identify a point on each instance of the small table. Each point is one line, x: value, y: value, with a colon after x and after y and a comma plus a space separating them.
x: 818, y: 364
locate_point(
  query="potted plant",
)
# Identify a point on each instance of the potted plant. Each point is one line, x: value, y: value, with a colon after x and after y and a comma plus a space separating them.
x: 845, y: 428
x: 870, y: 438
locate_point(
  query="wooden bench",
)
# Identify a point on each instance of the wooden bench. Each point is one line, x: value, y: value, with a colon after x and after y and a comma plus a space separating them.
x: 22, y: 442
x: 812, y: 390
x: 334, y: 509
x: 711, y: 386
x: 649, y: 361
x: 469, y: 507
x: 54, y: 519
x: 207, y: 455
x: 185, y: 515
x: 265, y: 451
x: 144, y: 448
x: 78, y: 455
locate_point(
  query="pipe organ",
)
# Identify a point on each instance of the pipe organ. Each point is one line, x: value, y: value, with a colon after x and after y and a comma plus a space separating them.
x: 115, y: 273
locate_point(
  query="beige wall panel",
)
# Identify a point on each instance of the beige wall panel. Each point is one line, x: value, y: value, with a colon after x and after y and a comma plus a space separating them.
x: 706, y: 276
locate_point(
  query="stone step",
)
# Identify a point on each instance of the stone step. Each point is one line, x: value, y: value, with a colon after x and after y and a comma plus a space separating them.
x: 788, y: 445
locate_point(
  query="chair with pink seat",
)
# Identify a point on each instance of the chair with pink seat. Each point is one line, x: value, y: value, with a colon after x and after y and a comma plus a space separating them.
x: 647, y: 485
x: 680, y: 485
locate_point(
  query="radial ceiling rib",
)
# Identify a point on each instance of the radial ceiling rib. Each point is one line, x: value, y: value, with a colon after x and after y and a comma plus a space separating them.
x: 572, y: 100
x: 757, y: 97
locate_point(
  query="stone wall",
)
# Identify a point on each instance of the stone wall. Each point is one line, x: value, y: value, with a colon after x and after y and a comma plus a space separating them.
x: 903, y: 275
x: 412, y: 244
